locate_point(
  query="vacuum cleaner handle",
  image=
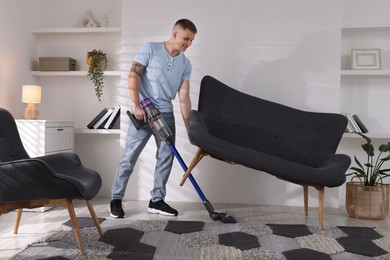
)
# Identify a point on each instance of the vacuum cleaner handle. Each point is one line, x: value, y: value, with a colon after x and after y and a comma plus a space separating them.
x: 137, y: 123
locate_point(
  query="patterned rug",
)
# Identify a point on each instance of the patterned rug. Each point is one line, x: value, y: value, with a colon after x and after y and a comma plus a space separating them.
x: 169, y: 240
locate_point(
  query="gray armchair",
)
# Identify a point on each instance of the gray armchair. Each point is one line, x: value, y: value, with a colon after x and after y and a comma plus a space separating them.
x: 49, y: 180
x: 293, y: 145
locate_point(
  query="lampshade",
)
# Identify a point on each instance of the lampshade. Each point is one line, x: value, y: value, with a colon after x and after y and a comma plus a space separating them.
x: 31, y: 94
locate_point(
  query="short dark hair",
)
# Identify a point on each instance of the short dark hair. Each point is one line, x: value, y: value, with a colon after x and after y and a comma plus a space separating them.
x: 186, y: 24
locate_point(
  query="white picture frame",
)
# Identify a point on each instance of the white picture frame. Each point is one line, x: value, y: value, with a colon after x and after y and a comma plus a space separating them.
x: 366, y: 59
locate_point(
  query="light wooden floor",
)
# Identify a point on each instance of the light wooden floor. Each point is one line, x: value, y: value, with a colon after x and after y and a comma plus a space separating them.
x: 34, y: 224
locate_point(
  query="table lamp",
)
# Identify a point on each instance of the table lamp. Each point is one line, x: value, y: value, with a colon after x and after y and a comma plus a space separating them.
x: 31, y: 94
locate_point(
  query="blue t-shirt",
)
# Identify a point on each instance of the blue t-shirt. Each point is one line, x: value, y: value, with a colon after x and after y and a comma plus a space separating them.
x: 163, y: 74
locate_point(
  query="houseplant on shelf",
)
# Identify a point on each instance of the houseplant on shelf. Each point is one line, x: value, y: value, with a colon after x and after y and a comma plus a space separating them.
x: 97, y: 62
x: 368, y: 198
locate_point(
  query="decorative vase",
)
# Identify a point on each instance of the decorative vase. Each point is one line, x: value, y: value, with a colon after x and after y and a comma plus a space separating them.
x: 367, y: 202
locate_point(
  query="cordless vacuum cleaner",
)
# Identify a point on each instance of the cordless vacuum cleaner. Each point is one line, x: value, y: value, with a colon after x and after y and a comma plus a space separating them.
x: 160, y: 128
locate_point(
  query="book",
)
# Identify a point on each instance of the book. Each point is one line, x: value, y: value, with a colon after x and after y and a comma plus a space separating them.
x: 355, y: 127
x: 100, y: 124
x: 351, y: 128
x: 97, y: 118
x: 113, y: 117
x: 348, y: 129
x: 360, y: 124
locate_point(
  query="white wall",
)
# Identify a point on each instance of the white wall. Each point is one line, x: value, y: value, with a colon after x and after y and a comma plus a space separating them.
x: 70, y: 13
x: 16, y: 47
x: 285, y: 51
x: 372, y: 12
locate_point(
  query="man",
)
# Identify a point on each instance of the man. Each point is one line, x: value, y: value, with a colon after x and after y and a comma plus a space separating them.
x: 159, y: 71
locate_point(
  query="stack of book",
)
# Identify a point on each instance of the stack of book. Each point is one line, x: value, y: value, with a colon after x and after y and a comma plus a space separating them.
x: 355, y: 125
x: 106, y: 119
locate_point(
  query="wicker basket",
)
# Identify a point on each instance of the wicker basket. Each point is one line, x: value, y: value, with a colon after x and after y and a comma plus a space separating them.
x: 367, y: 202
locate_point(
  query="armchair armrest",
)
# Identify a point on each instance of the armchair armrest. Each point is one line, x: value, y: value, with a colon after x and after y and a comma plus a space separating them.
x: 31, y: 179
x: 61, y: 162
x: 68, y: 166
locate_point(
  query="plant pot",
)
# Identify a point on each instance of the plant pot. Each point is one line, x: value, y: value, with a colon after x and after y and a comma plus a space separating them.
x: 98, y: 60
x: 88, y: 59
x: 367, y: 202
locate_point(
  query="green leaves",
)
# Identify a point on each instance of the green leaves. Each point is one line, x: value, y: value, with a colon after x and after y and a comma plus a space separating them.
x: 371, y: 171
x: 369, y: 149
x: 384, y: 147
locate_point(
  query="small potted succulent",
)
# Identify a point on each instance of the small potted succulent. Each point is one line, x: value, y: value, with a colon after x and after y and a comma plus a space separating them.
x: 97, y: 62
x: 368, y: 198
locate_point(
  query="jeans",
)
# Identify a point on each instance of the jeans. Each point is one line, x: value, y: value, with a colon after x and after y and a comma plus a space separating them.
x: 135, y: 143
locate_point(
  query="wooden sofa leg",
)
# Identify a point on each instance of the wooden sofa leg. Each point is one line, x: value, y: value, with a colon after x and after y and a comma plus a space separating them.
x: 321, y: 195
x: 94, y: 217
x: 197, y: 157
x: 73, y: 219
x: 306, y: 199
x: 17, y: 221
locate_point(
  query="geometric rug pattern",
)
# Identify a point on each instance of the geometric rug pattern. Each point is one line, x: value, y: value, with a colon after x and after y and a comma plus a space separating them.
x: 169, y: 240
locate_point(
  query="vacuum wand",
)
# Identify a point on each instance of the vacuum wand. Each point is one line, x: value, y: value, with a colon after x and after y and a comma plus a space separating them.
x: 160, y: 128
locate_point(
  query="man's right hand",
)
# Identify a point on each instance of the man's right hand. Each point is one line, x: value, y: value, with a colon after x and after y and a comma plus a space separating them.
x: 139, y: 113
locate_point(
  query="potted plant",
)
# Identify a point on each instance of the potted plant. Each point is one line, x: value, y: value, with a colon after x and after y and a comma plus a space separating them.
x: 97, y: 62
x: 368, y: 198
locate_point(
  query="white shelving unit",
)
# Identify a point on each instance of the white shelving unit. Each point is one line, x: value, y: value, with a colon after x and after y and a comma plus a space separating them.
x: 74, y: 31
x: 71, y: 73
x: 97, y: 30
x: 363, y: 92
x: 384, y: 73
x: 375, y: 135
x: 75, y: 42
x: 360, y: 27
x: 97, y: 131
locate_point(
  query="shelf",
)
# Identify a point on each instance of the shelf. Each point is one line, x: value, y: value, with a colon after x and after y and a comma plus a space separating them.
x: 97, y: 30
x: 97, y: 131
x: 369, y: 134
x: 71, y: 73
x: 371, y: 27
x: 365, y: 72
